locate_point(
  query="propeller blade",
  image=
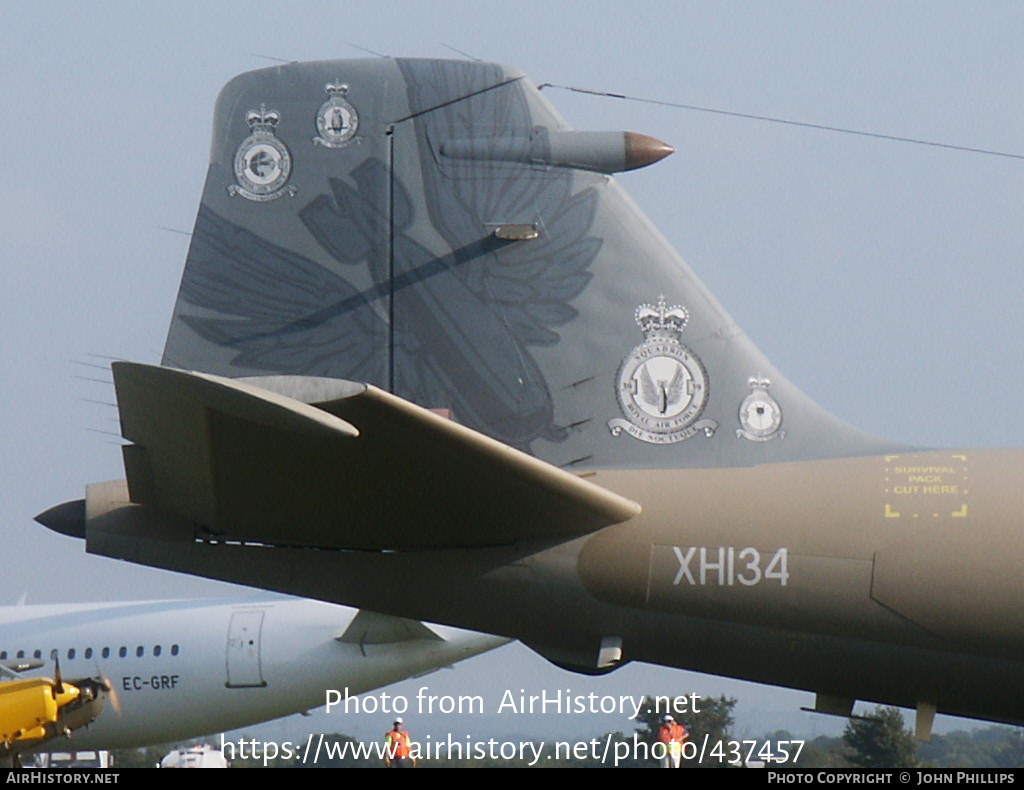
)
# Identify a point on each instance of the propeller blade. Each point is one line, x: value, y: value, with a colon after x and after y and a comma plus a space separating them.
x: 115, y: 701
x: 57, y: 681
x: 108, y: 687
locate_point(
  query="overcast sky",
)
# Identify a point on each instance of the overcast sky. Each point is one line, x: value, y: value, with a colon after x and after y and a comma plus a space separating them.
x: 883, y: 278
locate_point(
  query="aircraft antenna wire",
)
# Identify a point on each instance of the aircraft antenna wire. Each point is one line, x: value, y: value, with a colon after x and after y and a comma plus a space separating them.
x: 460, y: 52
x: 365, y: 49
x: 266, y: 57
x: 749, y: 116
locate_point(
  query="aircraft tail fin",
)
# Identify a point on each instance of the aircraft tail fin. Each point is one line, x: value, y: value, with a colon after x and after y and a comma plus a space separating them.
x: 434, y: 228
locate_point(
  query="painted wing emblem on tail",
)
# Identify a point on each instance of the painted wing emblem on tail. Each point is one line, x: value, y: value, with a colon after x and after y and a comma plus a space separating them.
x: 676, y: 389
x: 275, y: 309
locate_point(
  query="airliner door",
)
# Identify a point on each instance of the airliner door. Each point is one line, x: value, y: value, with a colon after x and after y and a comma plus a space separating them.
x: 243, y: 650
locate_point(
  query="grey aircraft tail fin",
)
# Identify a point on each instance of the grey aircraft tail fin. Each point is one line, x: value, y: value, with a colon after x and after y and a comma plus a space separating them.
x: 434, y: 228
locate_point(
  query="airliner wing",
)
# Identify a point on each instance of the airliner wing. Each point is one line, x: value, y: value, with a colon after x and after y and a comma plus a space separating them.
x: 302, y: 461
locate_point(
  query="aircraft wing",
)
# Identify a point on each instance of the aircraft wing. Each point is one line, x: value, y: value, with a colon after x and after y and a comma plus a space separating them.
x: 10, y: 669
x: 304, y: 461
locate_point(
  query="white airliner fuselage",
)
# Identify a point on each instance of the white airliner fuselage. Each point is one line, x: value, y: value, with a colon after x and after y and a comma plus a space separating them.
x: 187, y: 668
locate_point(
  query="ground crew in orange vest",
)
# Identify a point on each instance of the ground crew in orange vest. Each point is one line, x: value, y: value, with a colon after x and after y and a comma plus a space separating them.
x: 672, y: 735
x: 398, y: 749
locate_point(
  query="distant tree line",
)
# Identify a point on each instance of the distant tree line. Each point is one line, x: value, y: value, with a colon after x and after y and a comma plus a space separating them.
x: 885, y: 742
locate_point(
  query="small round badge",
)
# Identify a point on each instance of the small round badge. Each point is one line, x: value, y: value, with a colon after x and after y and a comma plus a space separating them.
x: 336, y: 121
x: 662, y: 386
x: 262, y: 162
x: 760, y: 414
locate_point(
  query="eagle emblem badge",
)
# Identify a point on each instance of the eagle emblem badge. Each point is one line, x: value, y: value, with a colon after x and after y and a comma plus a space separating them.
x: 661, y: 385
x: 262, y: 162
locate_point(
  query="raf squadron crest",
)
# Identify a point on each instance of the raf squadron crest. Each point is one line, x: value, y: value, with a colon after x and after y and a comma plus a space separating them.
x: 262, y: 162
x: 662, y: 385
x: 760, y: 413
x: 336, y: 120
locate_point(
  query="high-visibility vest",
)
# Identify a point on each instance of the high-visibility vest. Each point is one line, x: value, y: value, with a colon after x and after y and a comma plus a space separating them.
x: 398, y: 741
x: 673, y: 736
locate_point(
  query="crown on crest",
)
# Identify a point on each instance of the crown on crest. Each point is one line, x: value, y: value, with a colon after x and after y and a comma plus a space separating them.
x: 336, y: 88
x: 263, y: 120
x: 759, y: 383
x: 661, y: 320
